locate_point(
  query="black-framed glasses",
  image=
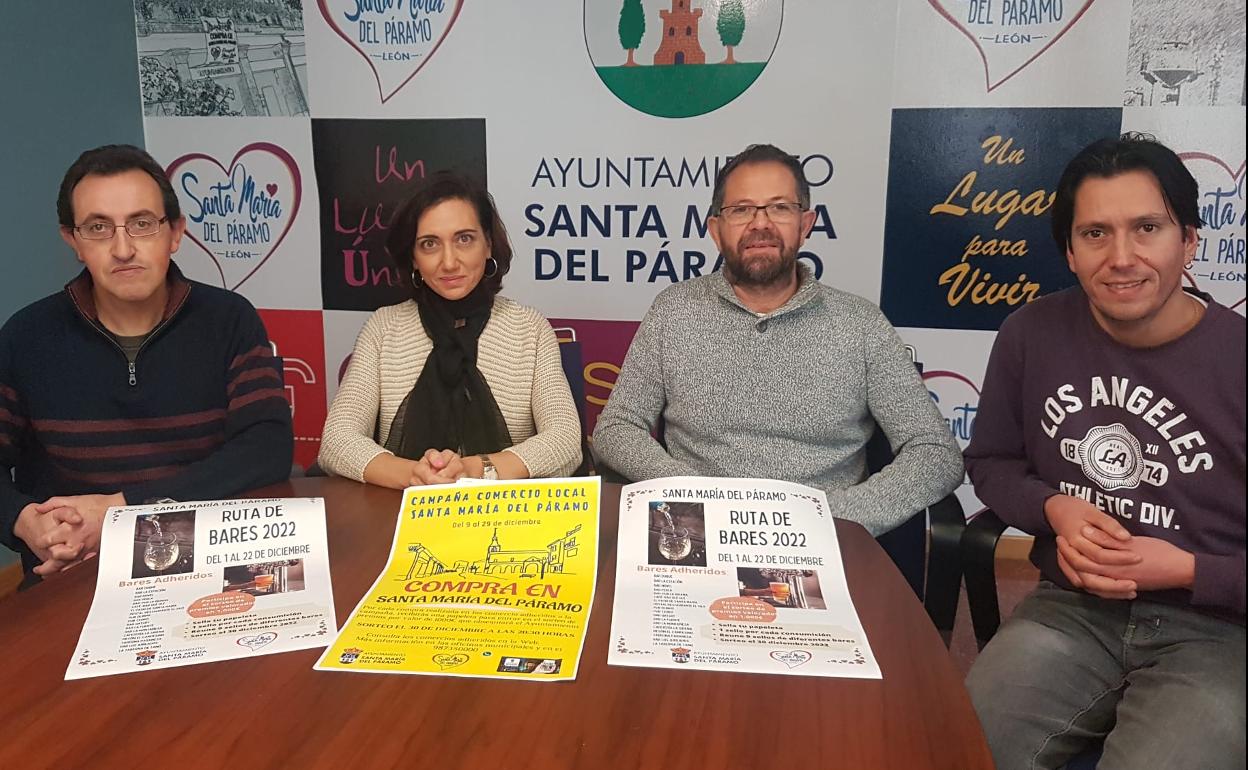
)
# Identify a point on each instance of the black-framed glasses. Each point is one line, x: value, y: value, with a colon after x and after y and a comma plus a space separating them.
x: 102, y: 230
x: 781, y: 212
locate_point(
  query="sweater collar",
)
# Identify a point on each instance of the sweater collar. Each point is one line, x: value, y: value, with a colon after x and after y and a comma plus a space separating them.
x: 807, y: 290
x: 1083, y: 307
x: 80, y: 293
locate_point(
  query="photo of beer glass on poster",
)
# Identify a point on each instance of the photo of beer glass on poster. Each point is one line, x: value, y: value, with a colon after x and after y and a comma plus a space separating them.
x: 264, y: 579
x: 792, y: 588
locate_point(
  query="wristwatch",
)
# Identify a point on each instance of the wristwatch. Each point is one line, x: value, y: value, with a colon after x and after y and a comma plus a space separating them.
x: 488, y: 471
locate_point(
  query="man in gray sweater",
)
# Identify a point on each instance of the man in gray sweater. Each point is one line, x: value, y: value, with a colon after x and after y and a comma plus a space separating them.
x: 762, y: 371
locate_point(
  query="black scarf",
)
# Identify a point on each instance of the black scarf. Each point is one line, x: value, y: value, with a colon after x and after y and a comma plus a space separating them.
x: 451, y: 405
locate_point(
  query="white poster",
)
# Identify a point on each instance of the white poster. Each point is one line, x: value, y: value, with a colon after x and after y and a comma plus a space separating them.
x: 186, y: 583
x: 733, y: 575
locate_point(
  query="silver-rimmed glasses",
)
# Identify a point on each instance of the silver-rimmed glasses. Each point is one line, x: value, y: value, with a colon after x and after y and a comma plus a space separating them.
x: 781, y: 212
x: 103, y: 230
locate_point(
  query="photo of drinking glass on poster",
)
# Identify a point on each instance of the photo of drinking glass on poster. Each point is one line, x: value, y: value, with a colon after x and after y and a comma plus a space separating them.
x: 677, y: 534
x: 164, y: 544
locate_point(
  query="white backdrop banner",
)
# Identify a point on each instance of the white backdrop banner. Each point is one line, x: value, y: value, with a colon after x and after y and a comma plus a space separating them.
x: 294, y: 131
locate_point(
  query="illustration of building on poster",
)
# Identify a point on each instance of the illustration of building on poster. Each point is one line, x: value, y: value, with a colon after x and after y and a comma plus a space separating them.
x: 483, y: 579
x: 733, y: 575
x: 185, y: 583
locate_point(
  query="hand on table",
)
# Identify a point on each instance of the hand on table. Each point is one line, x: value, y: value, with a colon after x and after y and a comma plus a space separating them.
x: 78, y: 521
x: 48, y: 536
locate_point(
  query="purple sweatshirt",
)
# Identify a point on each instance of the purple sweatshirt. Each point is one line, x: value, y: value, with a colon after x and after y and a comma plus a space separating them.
x: 1154, y: 437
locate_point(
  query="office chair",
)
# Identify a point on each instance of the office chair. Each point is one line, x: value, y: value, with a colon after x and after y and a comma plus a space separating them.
x: 574, y: 369
x: 933, y: 569
x: 979, y: 554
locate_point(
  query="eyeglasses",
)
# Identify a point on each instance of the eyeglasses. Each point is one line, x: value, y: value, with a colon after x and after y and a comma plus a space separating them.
x: 139, y: 227
x: 781, y: 213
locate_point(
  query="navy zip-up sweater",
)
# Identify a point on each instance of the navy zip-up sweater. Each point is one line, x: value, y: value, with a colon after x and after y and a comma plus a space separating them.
x: 201, y: 414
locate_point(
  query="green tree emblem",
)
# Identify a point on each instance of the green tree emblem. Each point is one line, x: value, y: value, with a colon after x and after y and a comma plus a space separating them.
x: 633, y: 28
x: 701, y: 84
x: 730, y: 25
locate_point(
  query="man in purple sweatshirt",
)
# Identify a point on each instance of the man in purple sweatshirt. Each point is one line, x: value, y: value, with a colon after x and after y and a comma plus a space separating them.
x: 1111, y: 428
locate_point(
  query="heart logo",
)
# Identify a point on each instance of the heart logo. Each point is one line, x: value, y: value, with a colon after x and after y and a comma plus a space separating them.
x: 1219, y: 264
x: 957, y: 398
x: 396, y: 39
x: 254, y: 643
x: 446, y: 661
x: 1010, y: 36
x: 235, y: 213
x: 791, y: 658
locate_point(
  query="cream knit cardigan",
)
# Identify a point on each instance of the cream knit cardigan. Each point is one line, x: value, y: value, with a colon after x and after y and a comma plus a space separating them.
x: 517, y: 354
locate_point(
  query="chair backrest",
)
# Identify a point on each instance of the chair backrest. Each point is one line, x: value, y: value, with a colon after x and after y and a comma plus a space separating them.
x: 296, y: 470
x: 574, y: 369
x: 906, y: 545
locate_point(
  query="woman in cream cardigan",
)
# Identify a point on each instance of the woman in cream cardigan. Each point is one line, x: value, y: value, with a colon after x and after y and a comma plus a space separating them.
x: 457, y: 381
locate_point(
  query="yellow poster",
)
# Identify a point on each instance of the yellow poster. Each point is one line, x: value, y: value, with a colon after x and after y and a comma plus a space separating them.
x: 486, y: 579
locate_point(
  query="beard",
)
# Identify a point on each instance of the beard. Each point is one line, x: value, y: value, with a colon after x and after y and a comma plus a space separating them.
x: 763, y: 270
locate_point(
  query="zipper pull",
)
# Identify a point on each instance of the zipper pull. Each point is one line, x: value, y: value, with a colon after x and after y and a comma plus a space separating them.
x: 133, y: 380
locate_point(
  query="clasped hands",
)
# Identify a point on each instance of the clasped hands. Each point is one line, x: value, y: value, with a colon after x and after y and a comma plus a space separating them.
x: 64, y: 530
x: 444, y: 466
x: 1097, y: 554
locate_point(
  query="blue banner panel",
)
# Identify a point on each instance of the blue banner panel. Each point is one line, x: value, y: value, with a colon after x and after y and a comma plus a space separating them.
x: 966, y: 232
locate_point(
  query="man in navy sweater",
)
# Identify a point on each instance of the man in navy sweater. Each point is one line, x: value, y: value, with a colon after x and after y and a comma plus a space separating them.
x: 1111, y: 427
x: 133, y: 384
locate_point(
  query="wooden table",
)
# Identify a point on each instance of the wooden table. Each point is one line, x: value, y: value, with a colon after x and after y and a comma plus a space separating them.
x: 275, y: 711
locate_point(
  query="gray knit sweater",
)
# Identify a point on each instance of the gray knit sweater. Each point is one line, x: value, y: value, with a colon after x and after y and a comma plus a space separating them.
x: 788, y: 395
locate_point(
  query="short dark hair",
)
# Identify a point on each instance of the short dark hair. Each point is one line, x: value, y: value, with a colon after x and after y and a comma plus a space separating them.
x: 761, y: 153
x: 444, y: 186
x: 1112, y: 156
x: 110, y: 160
